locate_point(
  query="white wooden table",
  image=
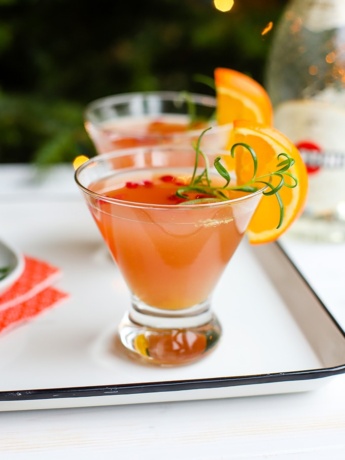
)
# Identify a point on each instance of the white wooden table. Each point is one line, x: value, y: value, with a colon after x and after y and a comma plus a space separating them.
x: 291, y: 426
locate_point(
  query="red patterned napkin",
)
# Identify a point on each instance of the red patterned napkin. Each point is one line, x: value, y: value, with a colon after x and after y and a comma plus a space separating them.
x: 30, y: 295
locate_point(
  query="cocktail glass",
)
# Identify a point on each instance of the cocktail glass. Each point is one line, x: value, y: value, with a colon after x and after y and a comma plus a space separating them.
x: 153, y: 118
x: 170, y: 255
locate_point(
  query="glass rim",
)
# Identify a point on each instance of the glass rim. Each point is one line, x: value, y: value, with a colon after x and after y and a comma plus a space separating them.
x: 167, y: 95
x: 133, y: 204
x: 199, y: 98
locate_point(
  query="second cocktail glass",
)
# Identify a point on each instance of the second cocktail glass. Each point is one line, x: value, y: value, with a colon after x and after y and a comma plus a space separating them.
x: 153, y: 118
x: 171, y: 254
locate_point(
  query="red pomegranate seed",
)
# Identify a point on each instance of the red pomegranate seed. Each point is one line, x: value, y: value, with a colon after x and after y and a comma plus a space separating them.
x: 167, y: 178
x: 132, y: 184
x: 147, y: 183
x: 176, y: 199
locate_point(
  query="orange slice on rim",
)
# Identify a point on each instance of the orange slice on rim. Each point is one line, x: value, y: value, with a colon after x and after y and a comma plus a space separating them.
x: 268, y: 143
x: 240, y: 97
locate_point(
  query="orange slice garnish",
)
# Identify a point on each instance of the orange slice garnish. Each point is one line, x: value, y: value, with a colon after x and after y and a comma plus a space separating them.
x: 268, y: 143
x: 240, y: 97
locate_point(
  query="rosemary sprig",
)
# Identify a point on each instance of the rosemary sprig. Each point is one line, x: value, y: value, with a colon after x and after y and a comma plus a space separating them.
x: 4, y: 272
x: 205, y: 80
x: 202, y: 184
x: 192, y: 112
x: 185, y: 97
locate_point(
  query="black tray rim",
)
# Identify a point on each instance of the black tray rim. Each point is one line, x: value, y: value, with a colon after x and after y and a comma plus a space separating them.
x: 187, y: 384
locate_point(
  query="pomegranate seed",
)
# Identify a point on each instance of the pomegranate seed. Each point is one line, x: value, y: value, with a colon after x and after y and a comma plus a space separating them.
x: 167, y: 178
x: 176, y: 199
x: 132, y: 184
x: 147, y: 183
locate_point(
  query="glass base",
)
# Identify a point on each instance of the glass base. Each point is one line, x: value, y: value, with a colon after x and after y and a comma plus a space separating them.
x: 169, y: 337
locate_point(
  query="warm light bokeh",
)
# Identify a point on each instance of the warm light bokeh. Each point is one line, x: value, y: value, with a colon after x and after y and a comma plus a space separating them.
x: 79, y: 160
x: 268, y: 28
x: 223, y: 5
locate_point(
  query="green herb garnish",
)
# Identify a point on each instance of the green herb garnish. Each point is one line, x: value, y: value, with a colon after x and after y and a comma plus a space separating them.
x: 193, y: 116
x: 187, y: 98
x: 202, y: 184
x: 205, y: 80
x: 4, y: 271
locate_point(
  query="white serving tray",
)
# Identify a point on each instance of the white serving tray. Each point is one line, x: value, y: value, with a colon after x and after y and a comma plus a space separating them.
x: 277, y: 335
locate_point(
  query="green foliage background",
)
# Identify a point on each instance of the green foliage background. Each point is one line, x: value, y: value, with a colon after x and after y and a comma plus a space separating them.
x: 58, y: 55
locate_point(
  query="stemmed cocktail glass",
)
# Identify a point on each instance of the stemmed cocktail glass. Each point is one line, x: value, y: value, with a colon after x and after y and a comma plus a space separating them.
x: 171, y: 253
x: 153, y: 118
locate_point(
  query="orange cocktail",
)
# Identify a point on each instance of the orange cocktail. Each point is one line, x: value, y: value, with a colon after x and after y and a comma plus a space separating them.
x: 171, y: 256
x: 153, y: 118
x: 170, y: 252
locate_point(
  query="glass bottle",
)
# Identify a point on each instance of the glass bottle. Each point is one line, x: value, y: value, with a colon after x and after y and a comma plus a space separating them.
x: 305, y: 78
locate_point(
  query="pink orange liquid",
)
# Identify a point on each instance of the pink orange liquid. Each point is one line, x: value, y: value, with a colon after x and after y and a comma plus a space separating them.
x: 132, y: 132
x: 171, y: 254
